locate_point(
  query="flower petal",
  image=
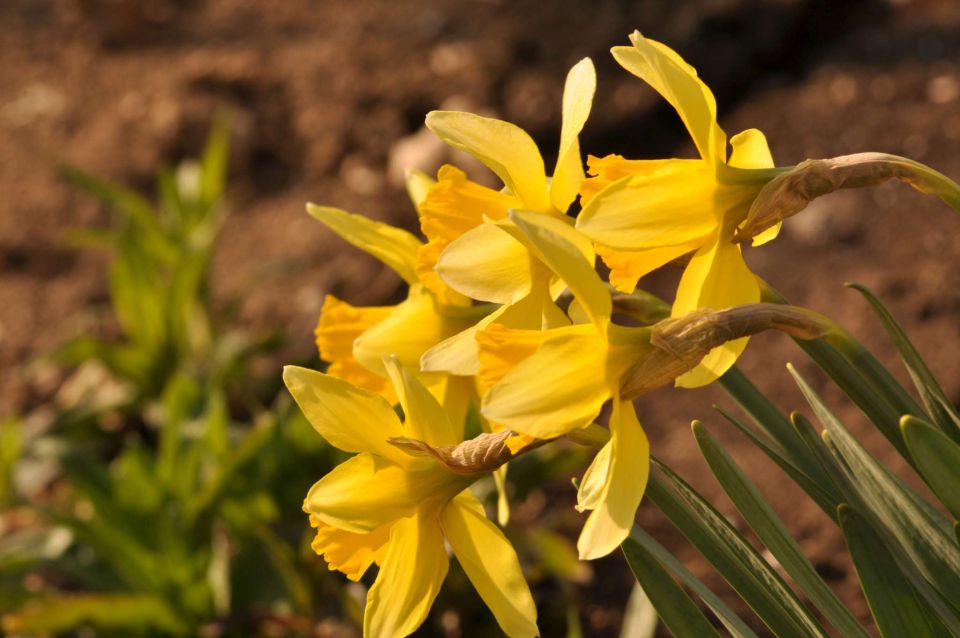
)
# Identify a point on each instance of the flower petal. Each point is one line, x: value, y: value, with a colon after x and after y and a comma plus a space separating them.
x: 750, y: 150
x: 628, y: 266
x: 418, y: 185
x: 669, y: 205
x: 606, y: 170
x: 415, y: 326
x: 339, y: 325
x: 424, y: 417
x: 577, y: 98
x: 560, y: 387
x: 367, y: 491
x: 453, y: 206
x: 349, y: 552
x: 396, y: 248
x: 504, y: 147
x: 594, y: 482
x: 660, y: 67
x: 334, y: 408
x: 553, y: 242
x: 491, y: 564
x: 409, y: 580
x: 717, y: 277
x: 488, y: 264
x: 629, y: 468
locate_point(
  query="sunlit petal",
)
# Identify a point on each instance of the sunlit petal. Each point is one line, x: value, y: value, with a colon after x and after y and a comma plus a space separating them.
x: 504, y: 147
x: 424, y: 417
x: 660, y: 67
x: 396, y: 248
x: 410, y: 577
x: 367, y: 491
x: 491, y: 564
x: 418, y: 185
x: 560, y: 387
x: 605, y: 170
x: 335, y: 407
x: 577, y: 99
x: 669, y: 205
x: 628, y: 266
x: 629, y: 468
x: 716, y: 277
x: 488, y: 264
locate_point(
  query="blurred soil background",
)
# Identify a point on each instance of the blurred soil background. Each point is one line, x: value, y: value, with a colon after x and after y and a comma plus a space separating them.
x: 328, y: 99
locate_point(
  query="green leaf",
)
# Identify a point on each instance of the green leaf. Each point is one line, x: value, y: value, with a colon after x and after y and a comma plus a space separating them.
x: 739, y: 564
x: 681, y: 616
x: 917, y: 526
x: 821, y: 490
x: 213, y: 162
x: 62, y: 613
x: 938, y: 459
x: 938, y: 405
x: 894, y: 603
x: 733, y: 623
x: 774, y: 535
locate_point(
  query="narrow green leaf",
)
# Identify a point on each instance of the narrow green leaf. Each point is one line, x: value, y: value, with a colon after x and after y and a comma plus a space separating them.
x: 774, y: 534
x: 938, y: 459
x: 919, y: 529
x: 681, y: 616
x: 821, y: 490
x: 735, y: 559
x: 733, y: 623
x: 939, y: 407
x: 894, y: 603
x: 214, y: 160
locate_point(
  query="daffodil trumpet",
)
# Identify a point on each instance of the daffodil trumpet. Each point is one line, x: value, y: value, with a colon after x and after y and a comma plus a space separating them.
x: 386, y: 506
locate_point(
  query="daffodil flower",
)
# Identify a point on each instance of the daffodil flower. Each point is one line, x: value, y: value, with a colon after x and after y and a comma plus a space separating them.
x: 387, y: 507
x: 546, y: 383
x: 354, y: 340
x: 471, y: 246
x: 645, y: 213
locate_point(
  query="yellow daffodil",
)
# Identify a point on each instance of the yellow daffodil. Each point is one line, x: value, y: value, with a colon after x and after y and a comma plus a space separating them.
x: 645, y: 213
x: 387, y: 507
x: 471, y: 245
x: 547, y: 383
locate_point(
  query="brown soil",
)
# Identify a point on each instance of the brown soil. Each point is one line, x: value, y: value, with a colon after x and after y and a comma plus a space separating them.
x: 328, y: 100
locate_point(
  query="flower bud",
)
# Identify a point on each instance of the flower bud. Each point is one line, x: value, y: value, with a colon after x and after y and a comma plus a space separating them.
x: 481, y: 454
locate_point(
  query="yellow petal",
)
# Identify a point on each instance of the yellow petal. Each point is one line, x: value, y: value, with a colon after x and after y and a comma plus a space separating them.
x: 424, y: 418
x: 367, y: 491
x: 577, y: 99
x: 670, y: 205
x: 500, y: 349
x: 593, y: 485
x: 560, y: 387
x: 491, y: 564
x: 418, y: 185
x: 396, y: 248
x: 606, y: 170
x: 628, y: 266
x: 629, y: 468
x: 348, y: 552
x: 717, y: 277
x: 452, y: 206
x: 551, y: 240
x: 334, y: 407
x: 410, y: 577
x: 415, y: 326
x: 750, y: 150
x: 340, y: 324
x: 660, y: 67
x: 505, y: 148
x: 488, y: 264
x: 500, y: 482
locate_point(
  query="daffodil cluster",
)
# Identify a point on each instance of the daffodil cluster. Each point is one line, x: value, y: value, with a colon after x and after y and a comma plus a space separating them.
x: 506, y: 312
